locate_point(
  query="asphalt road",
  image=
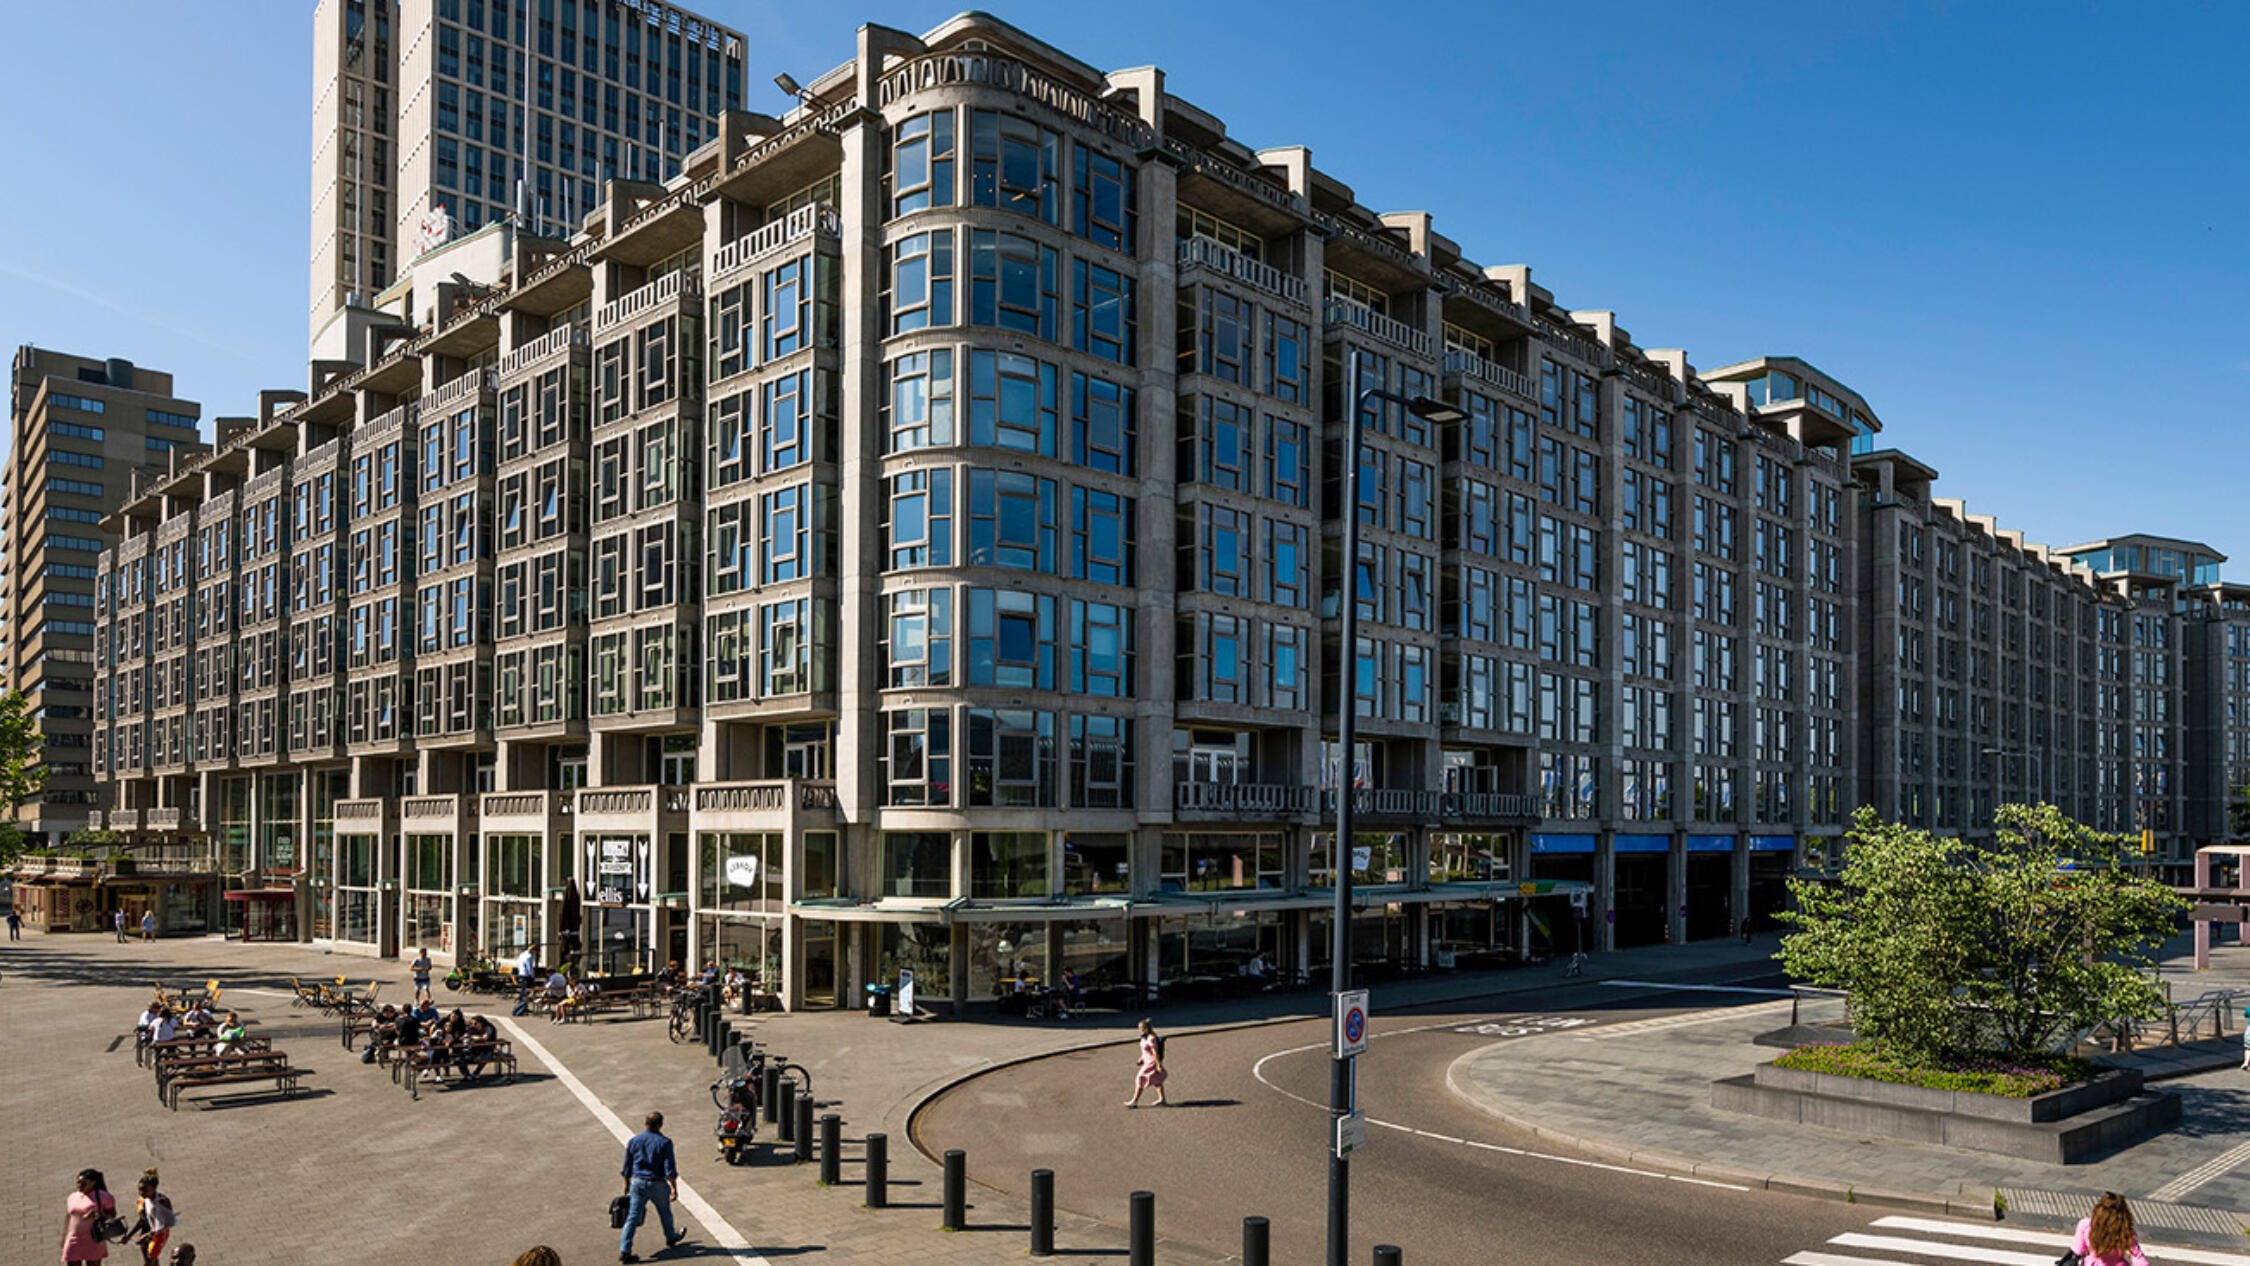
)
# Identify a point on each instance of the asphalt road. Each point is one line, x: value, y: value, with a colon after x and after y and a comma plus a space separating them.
x: 1246, y: 1135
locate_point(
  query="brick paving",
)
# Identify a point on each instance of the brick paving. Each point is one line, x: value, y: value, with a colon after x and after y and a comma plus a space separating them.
x: 355, y: 1170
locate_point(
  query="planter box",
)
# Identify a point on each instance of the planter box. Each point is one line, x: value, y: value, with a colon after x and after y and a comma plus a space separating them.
x: 2066, y: 1126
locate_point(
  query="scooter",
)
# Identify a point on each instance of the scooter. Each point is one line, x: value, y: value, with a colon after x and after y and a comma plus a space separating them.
x: 737, y: 1098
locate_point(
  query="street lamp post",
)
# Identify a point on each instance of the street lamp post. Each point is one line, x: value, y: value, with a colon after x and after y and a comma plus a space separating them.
x: 1347, y: 711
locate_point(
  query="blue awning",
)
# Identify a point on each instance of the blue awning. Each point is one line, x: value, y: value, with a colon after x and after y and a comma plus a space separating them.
x: 1562, y: 843
x: 1710, y: 843
x: 1773, y: 843
x: 1642, y: 843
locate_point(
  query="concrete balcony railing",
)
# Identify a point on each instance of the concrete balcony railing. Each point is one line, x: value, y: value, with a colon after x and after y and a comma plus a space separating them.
x: 1386, y: 802
x: 436, y: 813
x: 777, y: 797
x: 538, y: 349
x: 125, y: 819
x: 529, y: 808
x: 796, y: 226
x: 363, y: 813
x: 1458, y: 806
x: 170, y: 819
x: 1474, y: 366
x: 1344, y: 314
x: 465, y: 387
x: 1275, y: 799
x: 665, y: 289
x: 1202, y: 252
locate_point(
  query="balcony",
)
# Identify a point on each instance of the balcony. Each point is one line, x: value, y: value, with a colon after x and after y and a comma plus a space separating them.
x: 775, y: 803
x: 796, y: 226
x: 1202, y: 252
x: 529, y: 811
x: 1478, y: 806
x: 1242, y: 798
x: 464, y: 388
x: 1471, y: 365
x: 124, y: 819
x: 362, y: 817
x: 1386, y: 802
x: 665, y: 289
x: 172, y: 819
x: 638, y: 808
x: 1344, y: 314
x: 429, y: 815
x: 539, y: 349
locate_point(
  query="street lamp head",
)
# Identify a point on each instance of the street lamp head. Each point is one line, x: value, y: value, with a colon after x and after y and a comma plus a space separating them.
x: 1430, y: 409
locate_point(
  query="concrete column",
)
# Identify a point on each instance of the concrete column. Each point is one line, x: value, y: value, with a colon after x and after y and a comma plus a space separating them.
x: 2203, y: 928
x: 1675, y: 890
x: 1741, y: 881
x: 1601, y: 925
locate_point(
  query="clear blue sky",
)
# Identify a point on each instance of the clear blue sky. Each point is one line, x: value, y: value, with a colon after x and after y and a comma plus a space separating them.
x: 2020, y: 230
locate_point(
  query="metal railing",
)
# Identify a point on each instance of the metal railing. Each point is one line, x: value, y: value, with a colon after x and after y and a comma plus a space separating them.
x: 1240, y: 797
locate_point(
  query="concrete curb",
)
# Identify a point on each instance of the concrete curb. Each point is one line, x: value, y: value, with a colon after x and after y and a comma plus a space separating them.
x: 1793, y: 1185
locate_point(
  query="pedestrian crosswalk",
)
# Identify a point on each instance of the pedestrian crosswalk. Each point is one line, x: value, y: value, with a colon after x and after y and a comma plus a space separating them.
x: 1910, y: 1241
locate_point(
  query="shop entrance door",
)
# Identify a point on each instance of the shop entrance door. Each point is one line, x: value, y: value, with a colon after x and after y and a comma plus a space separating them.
x: 1710, y: 895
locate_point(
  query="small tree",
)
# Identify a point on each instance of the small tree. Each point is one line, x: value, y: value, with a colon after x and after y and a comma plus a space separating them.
x: 21, y: 773
x: 1950, y: 949
x: 2238, y: 812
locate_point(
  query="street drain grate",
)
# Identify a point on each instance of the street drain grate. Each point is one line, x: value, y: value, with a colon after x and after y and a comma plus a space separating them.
x: 2159, y: 1214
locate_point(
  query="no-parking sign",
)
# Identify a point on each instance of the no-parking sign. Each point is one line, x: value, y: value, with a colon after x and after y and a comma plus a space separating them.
x: 1351, y: 1023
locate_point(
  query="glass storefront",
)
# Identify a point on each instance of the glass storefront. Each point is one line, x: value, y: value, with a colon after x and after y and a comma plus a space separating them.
x: 355, y: 894
x: 820, y: 962
x: 1006, y: 865
x: 426, y: 864
x: 1096, y: 863
x: 917, y: 864
x: 1203, y: 946
x: 750, y: 942
x: 1004, y: 958
x: 277, y: 822
x: 925, y: 950
x: 1096, y: 950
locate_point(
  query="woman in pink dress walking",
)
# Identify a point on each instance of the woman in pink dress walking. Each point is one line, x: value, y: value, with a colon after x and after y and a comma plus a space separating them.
x: 89, y: 1203
x: 1152, y: 1074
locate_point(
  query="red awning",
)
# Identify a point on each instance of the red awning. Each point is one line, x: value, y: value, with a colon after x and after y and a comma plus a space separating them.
x: 261, y: 894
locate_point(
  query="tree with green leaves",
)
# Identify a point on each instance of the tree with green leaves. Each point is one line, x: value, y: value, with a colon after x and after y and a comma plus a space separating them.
x: 1951, y: 949
x: 2238, y: 812
x: 22, y: 774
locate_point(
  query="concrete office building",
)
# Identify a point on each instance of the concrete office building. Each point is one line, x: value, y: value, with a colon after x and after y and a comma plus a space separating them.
x: 912, y: 538
x: 434, y: 118
x: 79, y: 430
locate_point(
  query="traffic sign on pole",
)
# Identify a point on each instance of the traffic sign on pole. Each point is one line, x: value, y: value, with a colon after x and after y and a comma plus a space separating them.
x: 1351, y: 1023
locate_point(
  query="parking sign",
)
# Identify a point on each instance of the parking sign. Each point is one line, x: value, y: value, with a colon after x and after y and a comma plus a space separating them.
x: 1351, y: 1023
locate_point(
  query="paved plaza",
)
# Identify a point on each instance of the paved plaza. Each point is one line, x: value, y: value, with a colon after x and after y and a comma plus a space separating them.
x: 354, y: 1167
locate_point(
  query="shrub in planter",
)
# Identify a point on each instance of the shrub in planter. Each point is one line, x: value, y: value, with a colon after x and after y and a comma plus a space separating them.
x: 2012, y: 1080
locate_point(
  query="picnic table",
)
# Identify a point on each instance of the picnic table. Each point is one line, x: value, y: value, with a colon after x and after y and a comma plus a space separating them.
x: 245, y: 1068
x: 432, y: 1062
x: 149, y: 1054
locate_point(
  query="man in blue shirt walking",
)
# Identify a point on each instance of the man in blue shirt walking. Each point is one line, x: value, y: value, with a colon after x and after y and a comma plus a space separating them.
x: 651, y: 1177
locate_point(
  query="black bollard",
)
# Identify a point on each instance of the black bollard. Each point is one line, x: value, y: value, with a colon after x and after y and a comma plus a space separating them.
x: 956, y: 1214
x: 768, y: 1079
x: 831, y: 1149
x: 1141, y: 1230
x: 1387, y: 1255
x: 720, y: 1030
x: 785, y: 1112
x: 1256, y: 1242
x: 804, y: 1129
x: 1042, y: 1213
x: 878, y: 1171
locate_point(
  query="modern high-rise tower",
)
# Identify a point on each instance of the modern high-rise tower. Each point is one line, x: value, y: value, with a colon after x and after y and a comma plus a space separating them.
x: 78, y: 429
x: 435, y: 118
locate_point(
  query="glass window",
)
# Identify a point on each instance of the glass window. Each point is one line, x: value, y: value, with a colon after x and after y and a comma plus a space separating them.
x: 1103, y: 199
x: 922, y: 163
x: 1015, y: 165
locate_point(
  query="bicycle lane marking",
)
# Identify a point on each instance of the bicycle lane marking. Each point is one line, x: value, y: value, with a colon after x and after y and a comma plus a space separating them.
x: 1258, y: 1070
x: 714, y: 1224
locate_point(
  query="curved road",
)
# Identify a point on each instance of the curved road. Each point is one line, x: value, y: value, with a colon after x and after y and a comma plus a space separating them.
x: 1246, y: 1135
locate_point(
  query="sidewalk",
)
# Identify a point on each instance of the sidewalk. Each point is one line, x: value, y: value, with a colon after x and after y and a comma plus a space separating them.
x: 1642, y: 1092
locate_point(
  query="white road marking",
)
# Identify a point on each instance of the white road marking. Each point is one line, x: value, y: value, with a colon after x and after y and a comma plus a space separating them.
x: 2051, y: 1240
x: 1838, y: 1259
x: 2201, y: 1174
x: 1258, y: 1070
x: 1689, y: 1020
x: 717, y: 1227
x: 262, y: 993
x: 1950, y: 1252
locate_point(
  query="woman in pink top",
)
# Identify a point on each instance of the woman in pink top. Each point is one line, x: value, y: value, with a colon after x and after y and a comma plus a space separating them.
x: 89, y: 1202
x: 2107, y: 1238
x: 1151, y: 1074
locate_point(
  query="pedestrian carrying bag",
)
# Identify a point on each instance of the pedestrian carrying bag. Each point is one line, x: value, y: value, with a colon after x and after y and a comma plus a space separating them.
x: 619, y: 1206
x: 2070, y: 1257
x: 105, y: 1224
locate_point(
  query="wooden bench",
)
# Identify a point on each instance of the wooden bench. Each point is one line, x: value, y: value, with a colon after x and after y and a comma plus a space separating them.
x: 283, y: 1077
x: 435, y: 1062
x: 172, y: 1072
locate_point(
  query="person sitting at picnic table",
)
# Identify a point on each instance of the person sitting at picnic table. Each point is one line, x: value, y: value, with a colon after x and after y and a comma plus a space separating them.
x: 404, y: 1032
x: 1072, y: 993
x: 734, y: 986
x: 197, y: 1021
x: 575, y: 1002
x: 163, y: 1026
x: 710, y: 973
x: 669, y: 978
x: 426, y: 1013
x: 558, y: 992
x: 473, y: 1047
x: 150, y: 1014
x: 1258, y: 971
x: 230, y: 1032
